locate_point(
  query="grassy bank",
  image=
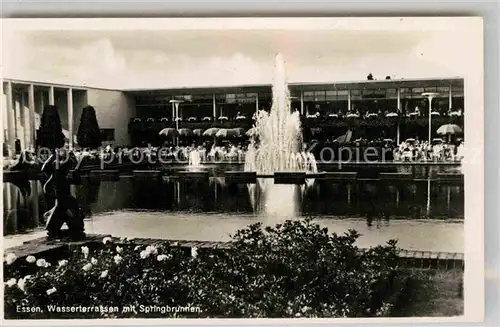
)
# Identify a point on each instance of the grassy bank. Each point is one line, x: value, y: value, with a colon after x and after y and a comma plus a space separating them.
x: 436, y: 293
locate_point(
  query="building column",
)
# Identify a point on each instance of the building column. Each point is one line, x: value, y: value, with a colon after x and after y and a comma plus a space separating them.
x: 70, y: 116
x: 257, y: 103
x: 25, y: 139
x: 10, y: 119
x: 42, y: 107
x: 51, y: 96
x: 214, y: 107
x: 31, y: 113
x: 450, y: 99
x: 302, y: 102
x: 349, y: 104
x: 400, y: 112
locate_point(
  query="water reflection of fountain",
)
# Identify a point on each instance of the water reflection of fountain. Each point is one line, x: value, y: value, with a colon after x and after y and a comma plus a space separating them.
x: 276, y: 146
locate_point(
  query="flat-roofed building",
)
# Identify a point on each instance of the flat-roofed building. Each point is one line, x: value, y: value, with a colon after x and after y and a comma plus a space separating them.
x: 202, y: 107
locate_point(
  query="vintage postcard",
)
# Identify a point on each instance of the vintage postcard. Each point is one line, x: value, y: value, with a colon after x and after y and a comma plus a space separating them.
x: 289, y: 170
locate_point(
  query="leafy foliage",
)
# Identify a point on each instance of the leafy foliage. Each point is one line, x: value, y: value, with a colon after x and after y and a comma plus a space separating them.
x: 50, y: 133
x: 295, y: 269
x: 89, y: 133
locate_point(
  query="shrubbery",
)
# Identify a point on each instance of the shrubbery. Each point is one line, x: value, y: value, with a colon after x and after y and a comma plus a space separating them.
x: 295, y: 269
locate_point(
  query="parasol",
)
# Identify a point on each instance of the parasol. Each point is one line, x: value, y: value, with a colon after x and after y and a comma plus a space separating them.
x: 211, y: 132
x: 449, y: 129
x: 169, y: 132
x: 185, y: 132
x: 239, y: 131
x: 198, y: 132
x: 226, y: 133
x: 251, y: 132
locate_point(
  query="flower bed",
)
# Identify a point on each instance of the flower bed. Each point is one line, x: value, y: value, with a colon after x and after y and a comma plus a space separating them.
x: 295, y: 269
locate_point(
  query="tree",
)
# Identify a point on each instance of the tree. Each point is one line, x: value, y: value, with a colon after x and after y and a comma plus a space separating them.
x: 50, y: 133
x: 89, y: 133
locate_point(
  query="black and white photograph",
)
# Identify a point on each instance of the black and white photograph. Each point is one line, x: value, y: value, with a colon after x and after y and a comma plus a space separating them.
x: 223, y: 168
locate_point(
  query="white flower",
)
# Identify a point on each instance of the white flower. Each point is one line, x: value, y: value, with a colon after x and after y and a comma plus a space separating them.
x: 137, y: 247
x: 194, y: 251
x: 175, y: 243
x: 151, y: 249
x: 104, y: 274
x: 30, y: 259
x: 85, y: 251
x: 161, y: 257
x: 144, y: 254
x: 107, y: 239
x: 47, y: 264
x: 11, y: 282
x: 20, y: 283
x: 41, y: 263
x: 10, y: 258
x: 117, y: 259
x: 123, y: 239
x: 87, y: 267
x: 63, y: 263
x: 93, y: 261
x: 51, y: 290
x: 119, y: 249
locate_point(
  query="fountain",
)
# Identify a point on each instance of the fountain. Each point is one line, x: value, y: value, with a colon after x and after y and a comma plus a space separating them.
x: 276, y: 146
x: 194, y: 159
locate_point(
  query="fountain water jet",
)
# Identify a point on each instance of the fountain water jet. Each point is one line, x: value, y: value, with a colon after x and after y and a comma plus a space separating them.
x: 276, y: 146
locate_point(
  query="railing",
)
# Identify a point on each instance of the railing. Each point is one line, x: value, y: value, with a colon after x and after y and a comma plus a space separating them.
x: 320, y: 122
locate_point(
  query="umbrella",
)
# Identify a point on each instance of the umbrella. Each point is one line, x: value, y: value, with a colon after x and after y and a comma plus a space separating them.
x: 185, y: 132
x: 198, y: 132
x: 239, y: 131
x: 392, y: 114
x: 226, y: 133
x: 449, y: 129
x: 169, y: 132
x: 411, y: 139
x: 251, y: 132
x: 211, y: 132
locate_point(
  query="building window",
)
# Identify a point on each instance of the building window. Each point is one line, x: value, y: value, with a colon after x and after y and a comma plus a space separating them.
x: 367, y: 93
x: 308, y: 96
x: 457, y: 91
x: 342, y: 94
x: 230, y: 98
x: 391, y: 93
x: 417, y: 91
x: 331, y: 95
x: 107, y: 134
x: 430, y: 89
x: 319, y: 96
x: 443, y: 89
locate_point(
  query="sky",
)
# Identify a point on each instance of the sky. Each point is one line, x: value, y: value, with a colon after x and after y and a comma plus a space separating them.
x: 132, y: 54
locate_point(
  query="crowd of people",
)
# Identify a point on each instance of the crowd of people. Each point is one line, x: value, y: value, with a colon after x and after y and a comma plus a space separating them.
x: 414, y: 150
x: 408, y: 150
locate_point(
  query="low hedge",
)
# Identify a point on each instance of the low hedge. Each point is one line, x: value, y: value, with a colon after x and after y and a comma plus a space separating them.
x: 294, y: 269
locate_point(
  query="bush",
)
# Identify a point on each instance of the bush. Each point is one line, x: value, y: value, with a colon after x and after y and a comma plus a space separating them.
x: 89, y: 133
x: 295, y: 269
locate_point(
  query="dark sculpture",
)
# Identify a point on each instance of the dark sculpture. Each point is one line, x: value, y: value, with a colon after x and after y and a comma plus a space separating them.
x: 65, y: 208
